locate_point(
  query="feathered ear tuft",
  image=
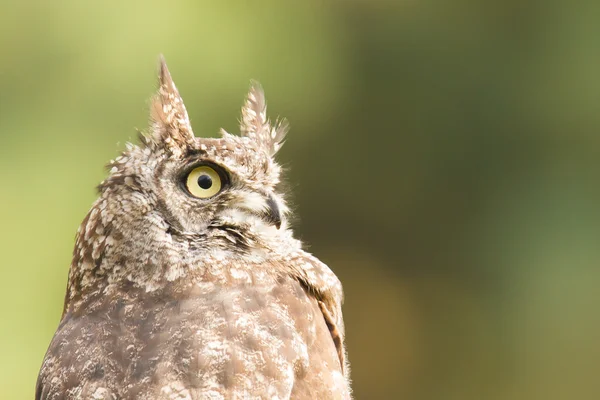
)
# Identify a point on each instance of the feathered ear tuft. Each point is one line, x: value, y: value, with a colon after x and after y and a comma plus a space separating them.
x: 170, y: 122
x: 257, y: 126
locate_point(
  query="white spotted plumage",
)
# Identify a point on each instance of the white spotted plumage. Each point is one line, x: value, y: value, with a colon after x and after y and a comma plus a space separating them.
x: 175, y: 297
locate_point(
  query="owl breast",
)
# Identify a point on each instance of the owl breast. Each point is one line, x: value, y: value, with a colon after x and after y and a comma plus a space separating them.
x: 200, y: 341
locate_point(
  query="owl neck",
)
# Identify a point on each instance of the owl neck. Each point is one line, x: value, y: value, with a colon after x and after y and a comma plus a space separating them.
x: 113, y: 247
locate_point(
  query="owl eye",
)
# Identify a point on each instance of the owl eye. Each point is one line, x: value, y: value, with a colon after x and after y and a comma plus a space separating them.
x: 203, y: 182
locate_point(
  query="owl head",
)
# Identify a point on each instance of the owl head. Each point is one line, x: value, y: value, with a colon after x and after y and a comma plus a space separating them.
x: 177, y: 200
x: 206, y: 183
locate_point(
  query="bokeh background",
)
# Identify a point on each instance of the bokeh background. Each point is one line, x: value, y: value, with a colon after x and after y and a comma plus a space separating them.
x: 444, y: 160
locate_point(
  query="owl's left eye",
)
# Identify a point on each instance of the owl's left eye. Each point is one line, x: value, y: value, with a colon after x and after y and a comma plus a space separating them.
x: 203, y: 182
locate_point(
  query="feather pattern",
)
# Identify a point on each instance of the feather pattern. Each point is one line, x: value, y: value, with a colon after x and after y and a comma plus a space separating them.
x: 170, y: 123
x: 176, y: 297
x: 255, y: 124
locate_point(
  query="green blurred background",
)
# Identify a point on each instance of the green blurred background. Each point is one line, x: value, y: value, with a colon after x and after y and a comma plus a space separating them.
x: 444, y: 160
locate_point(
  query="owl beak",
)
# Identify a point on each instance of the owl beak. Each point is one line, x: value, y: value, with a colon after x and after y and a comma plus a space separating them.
x: 273, y: 214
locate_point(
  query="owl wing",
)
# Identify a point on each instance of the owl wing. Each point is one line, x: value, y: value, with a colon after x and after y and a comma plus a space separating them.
x: 325, y: 376
x: 324, y: 286
x: 77, y: 365
x: 87, y: 356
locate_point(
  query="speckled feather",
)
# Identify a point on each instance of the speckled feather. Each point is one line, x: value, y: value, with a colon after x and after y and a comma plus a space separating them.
x: 173, y: 297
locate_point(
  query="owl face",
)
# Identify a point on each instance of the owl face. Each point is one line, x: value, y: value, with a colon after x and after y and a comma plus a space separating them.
x: 220, y: 184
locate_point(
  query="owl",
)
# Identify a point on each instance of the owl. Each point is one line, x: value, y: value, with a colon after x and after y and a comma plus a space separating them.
x: 186, y: 280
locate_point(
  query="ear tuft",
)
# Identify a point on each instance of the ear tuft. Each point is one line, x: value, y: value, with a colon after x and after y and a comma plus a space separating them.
x: 257, y: 126
x: 170, y: 122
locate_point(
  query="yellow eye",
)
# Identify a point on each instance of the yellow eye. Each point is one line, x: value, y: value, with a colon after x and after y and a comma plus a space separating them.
x: 203, y: 182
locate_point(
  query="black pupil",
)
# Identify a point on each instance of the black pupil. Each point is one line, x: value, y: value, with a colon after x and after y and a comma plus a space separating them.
x: 204, y: 181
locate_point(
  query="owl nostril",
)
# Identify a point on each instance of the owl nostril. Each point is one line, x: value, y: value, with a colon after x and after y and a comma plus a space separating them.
x: 273, y: 214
